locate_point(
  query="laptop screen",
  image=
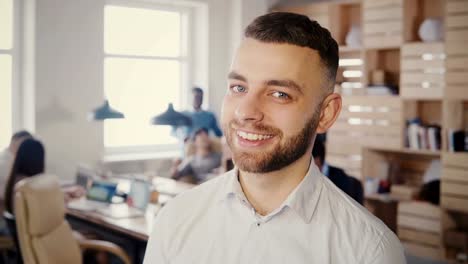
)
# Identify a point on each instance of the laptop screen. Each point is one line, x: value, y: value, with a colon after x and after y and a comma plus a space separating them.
x: 101, y: 191
x: 140, y: 194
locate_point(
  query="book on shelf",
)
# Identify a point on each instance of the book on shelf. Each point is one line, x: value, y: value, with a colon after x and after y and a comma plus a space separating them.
x: 423, y: 137
x: 456, y: 140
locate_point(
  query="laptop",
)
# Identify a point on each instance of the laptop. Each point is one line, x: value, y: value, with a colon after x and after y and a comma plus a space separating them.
x: 137, y: 202
x: 98, y: 196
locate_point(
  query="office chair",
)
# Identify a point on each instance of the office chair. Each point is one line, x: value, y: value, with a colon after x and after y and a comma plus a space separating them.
x: 11, y: 225
x: 43, y: 233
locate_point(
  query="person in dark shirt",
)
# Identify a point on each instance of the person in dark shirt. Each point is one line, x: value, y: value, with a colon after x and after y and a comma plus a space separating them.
x: 347, y: 184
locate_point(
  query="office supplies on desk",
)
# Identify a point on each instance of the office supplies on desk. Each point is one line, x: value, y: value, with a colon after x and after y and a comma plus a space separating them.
x: 98, y: 196
x: 137, y: 201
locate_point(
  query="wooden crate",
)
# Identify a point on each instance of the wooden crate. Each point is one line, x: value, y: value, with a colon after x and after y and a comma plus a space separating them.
x: 350, y: 60
x: 456, y: 36
x: 364, y: 121
x: 420, y: 229
x: 383, y: 23
x: 422, y: 71
x: 454, y: 184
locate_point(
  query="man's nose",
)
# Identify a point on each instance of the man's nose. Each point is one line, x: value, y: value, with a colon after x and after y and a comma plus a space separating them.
x: 249, y: 109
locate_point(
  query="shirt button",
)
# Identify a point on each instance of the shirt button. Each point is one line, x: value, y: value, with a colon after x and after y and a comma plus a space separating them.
x: 258, y: 224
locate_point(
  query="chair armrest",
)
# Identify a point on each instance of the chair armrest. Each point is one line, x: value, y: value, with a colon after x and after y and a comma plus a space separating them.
x: 99, y: 245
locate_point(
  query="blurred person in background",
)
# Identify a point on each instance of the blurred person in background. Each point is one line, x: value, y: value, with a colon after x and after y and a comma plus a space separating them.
x: 201, y: 160
x: 201, y: 118
x: 7, y: 157
x: 348, y: 184
x: 29, y: 161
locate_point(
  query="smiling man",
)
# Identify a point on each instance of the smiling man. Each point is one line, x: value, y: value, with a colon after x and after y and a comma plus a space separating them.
x: 275, y: 206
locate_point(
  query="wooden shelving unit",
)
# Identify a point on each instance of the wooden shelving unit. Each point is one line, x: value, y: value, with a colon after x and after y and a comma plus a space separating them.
x: 423, y: 71
x: 456, y: 36
x: 432, y: 85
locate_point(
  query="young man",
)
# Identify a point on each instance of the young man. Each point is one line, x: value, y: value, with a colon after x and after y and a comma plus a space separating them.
x: 201, y: 118
x: 275, y: 206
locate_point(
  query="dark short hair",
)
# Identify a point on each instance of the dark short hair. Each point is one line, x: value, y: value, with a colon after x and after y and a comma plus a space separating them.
x: 20, y: 134
x: 299, y: 30
x: 197, y: 90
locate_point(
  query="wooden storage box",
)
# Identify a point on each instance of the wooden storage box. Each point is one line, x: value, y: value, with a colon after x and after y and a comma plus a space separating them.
x: 382, y: 23
x: 368, y: 121
x: 420, y: 228
x: 456, y: 37
x: 422, y: 70
x: 454, y: 184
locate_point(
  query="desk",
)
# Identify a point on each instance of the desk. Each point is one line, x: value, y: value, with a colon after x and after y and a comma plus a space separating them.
x: 130, y: 233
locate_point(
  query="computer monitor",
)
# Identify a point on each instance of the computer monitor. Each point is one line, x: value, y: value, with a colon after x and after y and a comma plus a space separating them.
x: 139, y: 196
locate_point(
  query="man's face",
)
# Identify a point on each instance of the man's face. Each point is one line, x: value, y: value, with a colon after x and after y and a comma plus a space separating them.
x: 197, y: 100
x: 272, y: 106
x: 202, y: 140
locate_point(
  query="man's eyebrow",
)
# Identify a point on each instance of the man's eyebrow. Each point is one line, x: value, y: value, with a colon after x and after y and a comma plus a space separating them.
x: 236, y: 76
x: 286, y: 83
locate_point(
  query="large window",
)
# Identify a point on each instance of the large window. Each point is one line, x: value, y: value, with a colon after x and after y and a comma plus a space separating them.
x: 145, y: 68
x: 6, y: 70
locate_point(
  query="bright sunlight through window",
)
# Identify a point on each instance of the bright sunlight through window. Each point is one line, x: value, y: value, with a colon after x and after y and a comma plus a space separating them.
x: 143, y: 72
x: 6, y: 74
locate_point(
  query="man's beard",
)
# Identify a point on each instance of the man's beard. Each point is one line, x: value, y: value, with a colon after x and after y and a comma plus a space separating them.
x: 281, y: 156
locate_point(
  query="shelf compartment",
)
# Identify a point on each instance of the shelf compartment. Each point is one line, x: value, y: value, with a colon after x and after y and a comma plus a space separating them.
x: 456, y: 36
x: 454, y: 182
x: 422, y: 71
x: 383, y: 23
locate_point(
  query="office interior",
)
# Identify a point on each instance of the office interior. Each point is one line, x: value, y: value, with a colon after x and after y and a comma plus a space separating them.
x: 402, y: 132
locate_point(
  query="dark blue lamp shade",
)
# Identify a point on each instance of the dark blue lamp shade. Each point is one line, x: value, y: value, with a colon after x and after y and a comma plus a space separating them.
x: 171, y: 118
x: 105, y: 112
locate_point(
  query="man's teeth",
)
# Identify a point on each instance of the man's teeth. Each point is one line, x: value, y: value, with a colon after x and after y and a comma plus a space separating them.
x: 250, y: 136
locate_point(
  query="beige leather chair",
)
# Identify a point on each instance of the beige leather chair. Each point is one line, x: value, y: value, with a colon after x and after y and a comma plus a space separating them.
x: 44, y: 234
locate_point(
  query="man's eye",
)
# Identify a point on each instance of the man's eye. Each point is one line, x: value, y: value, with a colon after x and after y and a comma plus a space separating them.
x: 238, y: 89
x: 281, y: 95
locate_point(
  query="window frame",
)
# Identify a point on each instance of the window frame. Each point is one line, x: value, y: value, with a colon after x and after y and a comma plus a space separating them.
x: 14, y: 52
x: 187, y: 65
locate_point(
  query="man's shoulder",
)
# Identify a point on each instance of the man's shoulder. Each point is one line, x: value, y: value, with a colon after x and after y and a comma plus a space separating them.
x: 364, y: 231
x: 348, y: 212
x: 199, y: 198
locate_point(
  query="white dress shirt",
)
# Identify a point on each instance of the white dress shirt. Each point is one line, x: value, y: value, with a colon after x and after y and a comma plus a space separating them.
x: 318, y: 223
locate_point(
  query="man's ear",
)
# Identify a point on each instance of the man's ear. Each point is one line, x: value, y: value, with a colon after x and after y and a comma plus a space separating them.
x: 331, y: 108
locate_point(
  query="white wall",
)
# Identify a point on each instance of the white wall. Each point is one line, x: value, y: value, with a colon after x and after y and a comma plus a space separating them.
x: 69, y: 69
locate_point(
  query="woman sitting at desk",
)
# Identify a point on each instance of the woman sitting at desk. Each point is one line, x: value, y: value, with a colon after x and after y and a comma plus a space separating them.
x: 30, y: 161
x: 198, y: 167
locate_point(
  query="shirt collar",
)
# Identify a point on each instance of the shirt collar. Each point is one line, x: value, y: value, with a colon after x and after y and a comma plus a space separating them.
x: 302, y: 200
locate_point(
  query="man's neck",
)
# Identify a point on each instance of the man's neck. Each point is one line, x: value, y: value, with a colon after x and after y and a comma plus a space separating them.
x: 268, y: 191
